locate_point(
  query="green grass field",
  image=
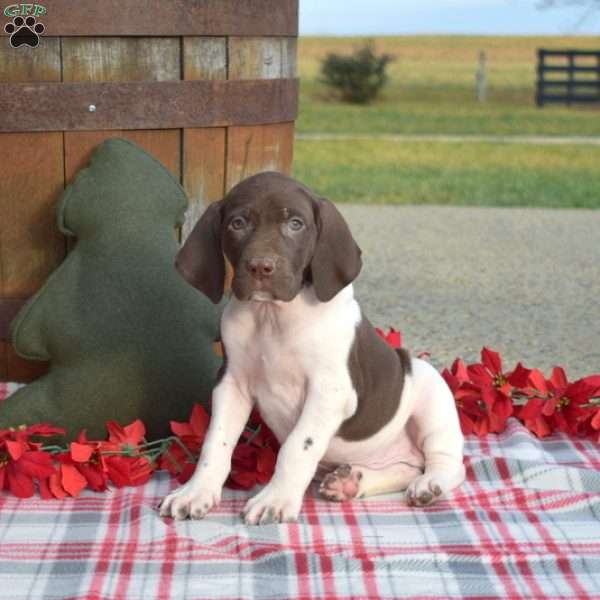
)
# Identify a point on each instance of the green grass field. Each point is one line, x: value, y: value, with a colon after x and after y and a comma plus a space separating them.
x: 432, y: 91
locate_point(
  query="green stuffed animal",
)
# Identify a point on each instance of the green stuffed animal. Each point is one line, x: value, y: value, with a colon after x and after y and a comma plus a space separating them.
x: 126, y: 335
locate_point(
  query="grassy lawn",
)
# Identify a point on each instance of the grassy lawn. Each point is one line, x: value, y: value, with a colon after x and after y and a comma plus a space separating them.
x: 432, y: 91
x: 387, y: 172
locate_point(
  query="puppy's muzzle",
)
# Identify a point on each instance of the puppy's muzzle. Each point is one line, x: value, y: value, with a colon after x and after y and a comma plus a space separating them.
x: 261, y: 267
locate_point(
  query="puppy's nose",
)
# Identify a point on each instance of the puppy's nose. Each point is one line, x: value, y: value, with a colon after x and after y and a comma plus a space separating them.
x: 262, y: 266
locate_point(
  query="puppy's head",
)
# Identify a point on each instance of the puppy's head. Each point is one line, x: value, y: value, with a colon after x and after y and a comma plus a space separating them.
x: 278, y: 236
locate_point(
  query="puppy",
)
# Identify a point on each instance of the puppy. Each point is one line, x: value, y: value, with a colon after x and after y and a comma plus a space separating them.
x: 296, y: 344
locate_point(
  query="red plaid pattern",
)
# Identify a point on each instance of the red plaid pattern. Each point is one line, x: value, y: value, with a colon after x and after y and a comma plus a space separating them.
x: 526, y: 524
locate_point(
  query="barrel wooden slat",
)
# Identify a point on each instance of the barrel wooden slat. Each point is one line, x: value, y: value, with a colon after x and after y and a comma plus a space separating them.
x: 251, y: 150
x: 204, y: 148
x: 30, y: 245
x: 171, y: 17
x: 29, y: 64
x: 203, y: 171
x: 30, y: 181
x: 121, y: 59
x: 204, y: 58
x: 261, y: 58
x: 289, y: 64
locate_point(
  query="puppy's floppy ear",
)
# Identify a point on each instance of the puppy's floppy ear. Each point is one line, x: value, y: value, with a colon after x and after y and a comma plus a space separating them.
x: 336, y: 261
x: 200, y: 260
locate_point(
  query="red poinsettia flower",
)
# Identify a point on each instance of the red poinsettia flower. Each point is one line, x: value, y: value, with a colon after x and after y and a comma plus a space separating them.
x: 566, y: 406
x: 254, y: 458
x: 87, y: 457
x: 495, y: 388
x: 468, y: 412
x: 489, y: 373
x: 81, y: 466
x: 594, y: 422
x: 251, y: 465
x: 192, y: 433
x: 22, y: 463
x: 258, y: 433
x: 128, y: 470
x: 18, y: 475
x: 177, y: 461
x: 123, y: 461
x: 555, y: 403
x: 177, y: 458
x: 131, y: 435
x: 481, y: 409
x: 392, y: 337
x: 531, y: 413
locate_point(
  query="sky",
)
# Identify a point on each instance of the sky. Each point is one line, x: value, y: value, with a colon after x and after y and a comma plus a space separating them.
x: 388, y: 17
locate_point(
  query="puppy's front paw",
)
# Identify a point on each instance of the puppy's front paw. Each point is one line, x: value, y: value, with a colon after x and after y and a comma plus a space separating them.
x: 189, y: 501
x: 272, y: 505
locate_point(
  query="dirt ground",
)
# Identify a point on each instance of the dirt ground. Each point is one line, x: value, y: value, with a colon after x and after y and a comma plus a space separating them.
x: 525, y: 282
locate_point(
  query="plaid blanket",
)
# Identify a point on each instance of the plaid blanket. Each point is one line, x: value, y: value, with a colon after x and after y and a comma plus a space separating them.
x: 526, y: 524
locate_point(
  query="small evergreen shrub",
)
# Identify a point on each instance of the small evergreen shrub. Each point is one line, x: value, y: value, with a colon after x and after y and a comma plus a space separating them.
x: 358, y: 77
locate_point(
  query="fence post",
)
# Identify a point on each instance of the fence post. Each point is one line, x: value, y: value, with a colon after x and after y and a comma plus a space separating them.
x: 539, y: 97
x: 598, y: 75
x: 481, y: 77
x: 571, y: 78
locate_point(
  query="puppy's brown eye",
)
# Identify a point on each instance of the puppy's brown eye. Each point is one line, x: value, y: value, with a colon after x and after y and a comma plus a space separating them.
x: 238, y: 223
x: 296, y: 224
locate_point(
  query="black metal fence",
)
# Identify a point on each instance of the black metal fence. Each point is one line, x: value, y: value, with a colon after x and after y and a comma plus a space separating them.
x: 568, y: 76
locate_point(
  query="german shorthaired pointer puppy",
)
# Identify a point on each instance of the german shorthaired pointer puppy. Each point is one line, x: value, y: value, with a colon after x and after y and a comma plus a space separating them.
x: 296, y: 343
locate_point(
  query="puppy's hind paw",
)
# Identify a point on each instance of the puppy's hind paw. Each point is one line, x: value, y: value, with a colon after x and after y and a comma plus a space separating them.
x: 341, y: 484
x: 427, y: 489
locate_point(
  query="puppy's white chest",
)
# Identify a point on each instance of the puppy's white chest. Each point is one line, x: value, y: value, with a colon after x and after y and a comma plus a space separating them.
x: 274, y: 351
x: 268, y: 364
x: 280, y: 391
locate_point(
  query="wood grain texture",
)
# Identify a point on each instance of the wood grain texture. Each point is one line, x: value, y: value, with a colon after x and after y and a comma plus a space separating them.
x: 31, y: 181
x: 171, y: 17
x: 121, y: 59
x: 203, y: 171
x: 116, y: 60
x: 146, y: 104
x: 30, y: 64
x: 9, y: 307
x: 289, y: 57
x: 262, y: 58
x: 251, y: 150
x: 204, y: 58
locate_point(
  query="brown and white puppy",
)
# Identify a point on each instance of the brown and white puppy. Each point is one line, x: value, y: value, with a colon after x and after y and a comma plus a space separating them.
x: 334, y: 393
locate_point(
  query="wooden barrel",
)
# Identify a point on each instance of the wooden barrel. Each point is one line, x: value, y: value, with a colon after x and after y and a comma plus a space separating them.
x: 207, y: 86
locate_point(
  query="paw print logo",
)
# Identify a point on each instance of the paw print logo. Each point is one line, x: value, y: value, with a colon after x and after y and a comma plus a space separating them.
x: 24, y: 32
